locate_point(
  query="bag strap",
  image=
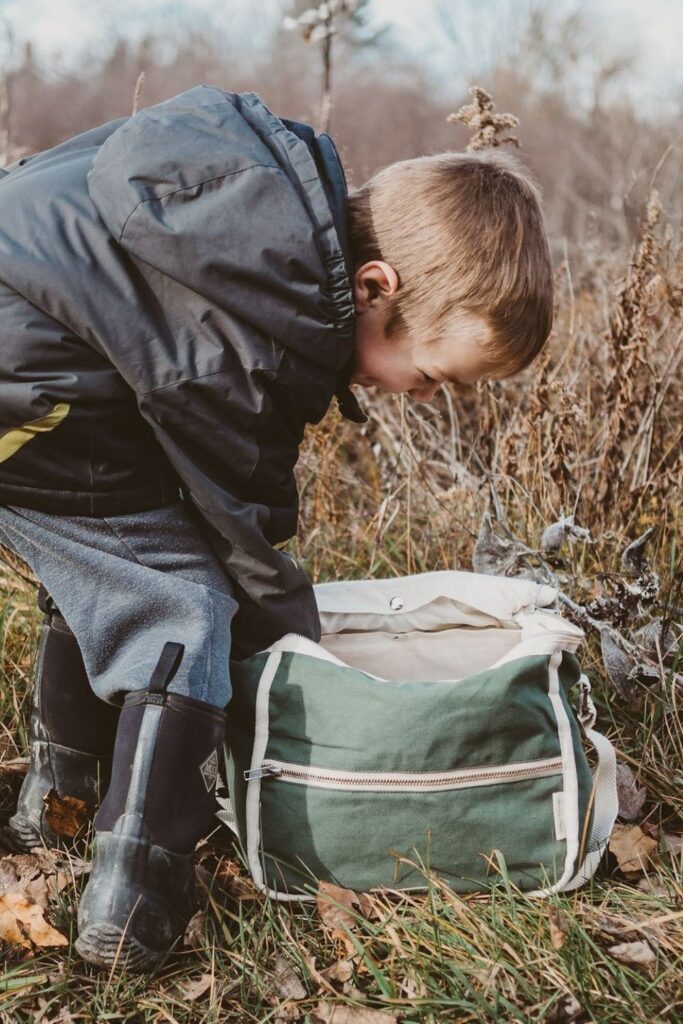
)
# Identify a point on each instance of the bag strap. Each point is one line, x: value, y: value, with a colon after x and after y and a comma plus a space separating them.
x: 606, y: 804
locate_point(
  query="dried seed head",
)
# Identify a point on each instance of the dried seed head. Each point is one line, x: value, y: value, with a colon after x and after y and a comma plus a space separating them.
x: 484, y: 123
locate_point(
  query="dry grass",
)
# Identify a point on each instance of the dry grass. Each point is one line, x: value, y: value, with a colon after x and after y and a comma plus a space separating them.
x: 593, y: 429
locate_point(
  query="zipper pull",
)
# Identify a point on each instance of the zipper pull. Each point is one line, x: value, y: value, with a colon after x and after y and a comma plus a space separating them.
x: 267, y: 769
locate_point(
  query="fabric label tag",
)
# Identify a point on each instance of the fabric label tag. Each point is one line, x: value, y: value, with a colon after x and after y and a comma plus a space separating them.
x: 558, y: 814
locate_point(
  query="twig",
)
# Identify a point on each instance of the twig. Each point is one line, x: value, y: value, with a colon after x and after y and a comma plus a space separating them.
x: 137, y: 92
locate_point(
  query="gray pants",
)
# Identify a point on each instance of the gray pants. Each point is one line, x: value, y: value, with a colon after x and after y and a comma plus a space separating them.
x: 127, y: 584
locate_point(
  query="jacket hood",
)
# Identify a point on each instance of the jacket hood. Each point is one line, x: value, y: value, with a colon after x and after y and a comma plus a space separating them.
x: 213, y: 190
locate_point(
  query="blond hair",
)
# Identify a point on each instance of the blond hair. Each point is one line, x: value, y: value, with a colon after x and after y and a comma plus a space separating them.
x: 465, y: 234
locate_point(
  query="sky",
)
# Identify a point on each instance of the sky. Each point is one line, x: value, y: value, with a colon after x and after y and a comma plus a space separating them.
x: 59, y: 32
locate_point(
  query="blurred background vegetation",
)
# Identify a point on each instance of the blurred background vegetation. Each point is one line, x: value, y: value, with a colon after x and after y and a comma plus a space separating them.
x: 595, y: 128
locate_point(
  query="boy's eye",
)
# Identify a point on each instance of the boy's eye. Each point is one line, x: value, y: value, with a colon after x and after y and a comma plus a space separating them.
x: 427, y: 378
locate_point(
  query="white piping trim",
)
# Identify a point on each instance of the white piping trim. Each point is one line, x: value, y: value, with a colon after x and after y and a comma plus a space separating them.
x: 570, y: 789
x: 258, y: 752
x: 605, y: 809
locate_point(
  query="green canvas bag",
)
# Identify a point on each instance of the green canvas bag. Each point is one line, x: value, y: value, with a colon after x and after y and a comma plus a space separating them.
x: 431, y: 726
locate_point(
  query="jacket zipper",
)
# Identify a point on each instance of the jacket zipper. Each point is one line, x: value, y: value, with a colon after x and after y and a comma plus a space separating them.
x: 458, y: 778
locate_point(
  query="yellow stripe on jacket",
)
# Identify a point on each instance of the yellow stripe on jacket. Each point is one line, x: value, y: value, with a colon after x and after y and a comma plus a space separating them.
x: 15, y: 438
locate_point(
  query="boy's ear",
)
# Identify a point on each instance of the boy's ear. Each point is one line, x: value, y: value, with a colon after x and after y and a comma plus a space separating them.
x: 373, y: 282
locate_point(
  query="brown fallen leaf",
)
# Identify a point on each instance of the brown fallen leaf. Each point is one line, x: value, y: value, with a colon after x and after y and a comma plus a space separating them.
x: 350, y: 990
x: 58, y: 882
x: 317, y: 977
x: 286, y: 1013
x: 20, y: 873
x: 631, y: 796
x: 611, y: 925
x: 672, y: 844
x: 286, y: 981
x: 626, y: 929
x: 633, y: 953
x: 49, y: 861
x: 36, y: 891
x: 222, y: 873
x: 338, y: 910
x: 19, y: 866
x: 22, y: 923
x: 337, y: 907
x: 368, y: 906
x: 39, y: 875
x: 195, y: 989
x: 63, y: 1017
x: 558, y: 933
x: 632, y: 847
x: 566, y: 1009
x: 60, y: 871
x: 345, y: 946
x: 650, y: 828
x: 654, y: 889
x: 334, y: 1014
x: 342, y: 970
x: 10, y: 930
x: 66, y: 815
x: 9, y: 874
x: 195, y: 931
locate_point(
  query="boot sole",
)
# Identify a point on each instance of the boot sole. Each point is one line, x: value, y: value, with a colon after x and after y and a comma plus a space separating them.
x: 23, y: 836
x: 105, y: 945
x: 136, y: 903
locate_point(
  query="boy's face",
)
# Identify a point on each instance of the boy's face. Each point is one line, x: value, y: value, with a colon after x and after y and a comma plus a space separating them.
x: 407, y: 364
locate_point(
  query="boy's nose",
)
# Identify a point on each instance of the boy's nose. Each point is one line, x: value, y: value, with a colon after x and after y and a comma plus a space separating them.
x: 424, y: 395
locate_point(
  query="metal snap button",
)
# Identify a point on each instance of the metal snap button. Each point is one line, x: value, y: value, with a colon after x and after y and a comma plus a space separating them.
x: 396, y: 603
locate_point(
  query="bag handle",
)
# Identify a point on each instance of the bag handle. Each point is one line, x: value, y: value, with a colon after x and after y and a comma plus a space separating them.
x: 606, y: 806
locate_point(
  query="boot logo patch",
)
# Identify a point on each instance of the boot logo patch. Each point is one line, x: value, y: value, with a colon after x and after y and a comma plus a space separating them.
x: 209, y: 770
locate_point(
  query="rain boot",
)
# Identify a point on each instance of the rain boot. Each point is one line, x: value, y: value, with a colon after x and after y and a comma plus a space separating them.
x: 71, y: 735
x: 161, y: 801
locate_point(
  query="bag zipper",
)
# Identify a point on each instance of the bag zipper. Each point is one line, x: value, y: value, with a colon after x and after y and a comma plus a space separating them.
x: 325, y: 778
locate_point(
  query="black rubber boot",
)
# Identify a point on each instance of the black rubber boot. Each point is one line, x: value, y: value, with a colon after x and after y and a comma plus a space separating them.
x: 161, y: 801
x: 71, y: 734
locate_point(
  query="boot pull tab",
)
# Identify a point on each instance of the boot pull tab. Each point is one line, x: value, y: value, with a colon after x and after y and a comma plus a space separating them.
x: 46, y: 602
x: 166, y: 667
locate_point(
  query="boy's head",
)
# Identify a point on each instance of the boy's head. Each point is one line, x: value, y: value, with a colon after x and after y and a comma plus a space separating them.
x: 453, y: 278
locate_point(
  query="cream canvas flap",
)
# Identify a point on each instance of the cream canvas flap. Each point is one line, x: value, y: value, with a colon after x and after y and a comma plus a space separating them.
x: 440, y: 625
x: 428, y: 601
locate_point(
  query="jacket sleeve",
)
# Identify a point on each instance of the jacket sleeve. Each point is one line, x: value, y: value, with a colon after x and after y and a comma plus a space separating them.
x: 242, y: 488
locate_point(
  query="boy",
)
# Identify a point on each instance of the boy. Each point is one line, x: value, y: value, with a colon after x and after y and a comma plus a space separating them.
x: 180, y: 293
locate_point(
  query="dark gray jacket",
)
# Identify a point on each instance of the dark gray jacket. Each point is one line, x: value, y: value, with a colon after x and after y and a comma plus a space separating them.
x: 175, y: 306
